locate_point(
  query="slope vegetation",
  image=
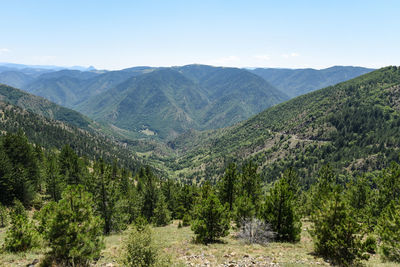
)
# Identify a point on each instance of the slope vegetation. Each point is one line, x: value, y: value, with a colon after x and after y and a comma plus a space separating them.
x: 353, y: 124
x: 295, y: 82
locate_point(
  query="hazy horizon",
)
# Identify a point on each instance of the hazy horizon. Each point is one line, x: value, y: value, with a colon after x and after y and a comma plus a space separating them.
x: 267, y: 34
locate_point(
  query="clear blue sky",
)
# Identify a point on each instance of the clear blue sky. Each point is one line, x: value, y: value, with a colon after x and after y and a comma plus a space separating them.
x: 248, y: 33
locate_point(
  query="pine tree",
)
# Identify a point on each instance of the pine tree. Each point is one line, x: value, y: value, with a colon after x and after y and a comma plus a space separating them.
x: 337, y: 235
x: 250, y: 185
x: 75, y: 233
x: 280, y: 211
x: 244, y: 209
x: 54, y: 182
x: 227, y: 187
x: 162, y: 216
x: 210, y: 220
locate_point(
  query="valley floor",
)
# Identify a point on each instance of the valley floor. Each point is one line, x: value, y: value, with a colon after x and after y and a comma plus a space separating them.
x: 177, y: 243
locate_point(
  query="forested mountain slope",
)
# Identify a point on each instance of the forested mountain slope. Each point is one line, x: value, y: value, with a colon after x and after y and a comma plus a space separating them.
x: 169, y: 101
x: 295, y: 82
x: 353, y: 126
x: 43, y: 107
x: 51, y: 133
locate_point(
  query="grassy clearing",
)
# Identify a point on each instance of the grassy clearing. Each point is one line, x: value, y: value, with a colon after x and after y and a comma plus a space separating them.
x: 177, y: 244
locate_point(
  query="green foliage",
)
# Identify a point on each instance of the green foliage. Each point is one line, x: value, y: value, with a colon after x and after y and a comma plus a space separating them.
x: 75, y: 233
x: 186, y: 220
x: 389, y: 232
x: 3, y: 216
x: 295, y: 82
x: 227, y: 186
x: 140, y: 251
x: 280, y: 211
x: 20, y: 172
x: 244, y: 209
x: 370, y: 244
x: 336, y: 233
x: 162, y: 216
x: 21, y: 235
x: 210, y: 219
x: 250, y: 185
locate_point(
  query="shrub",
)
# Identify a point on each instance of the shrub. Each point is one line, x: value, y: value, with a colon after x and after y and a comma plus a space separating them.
x: 21, y: 236
x: 389, y: 232
x: 140, y: 251
x: 75, y: 233
x: 370, y: 244
x: 3, y: 216
x: 186, y: 220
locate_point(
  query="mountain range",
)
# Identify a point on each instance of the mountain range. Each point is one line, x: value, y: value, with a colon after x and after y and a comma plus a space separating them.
x: 165, y: 102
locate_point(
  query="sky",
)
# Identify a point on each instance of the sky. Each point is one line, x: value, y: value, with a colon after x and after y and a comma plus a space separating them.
x: 236, y: 33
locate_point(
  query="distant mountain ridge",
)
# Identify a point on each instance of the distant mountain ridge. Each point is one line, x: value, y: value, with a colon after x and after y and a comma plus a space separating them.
x: 295, y: 82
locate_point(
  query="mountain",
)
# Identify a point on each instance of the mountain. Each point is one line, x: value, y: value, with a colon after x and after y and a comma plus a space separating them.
x: 169, y: 101
x: 295, y: 82
x: 163, y: 100
x: 42, y: 107
x: 15, y: 78
x: 72, y: 87
x: 234, y: 94
x: 352, y: 125
x: 51, y: 134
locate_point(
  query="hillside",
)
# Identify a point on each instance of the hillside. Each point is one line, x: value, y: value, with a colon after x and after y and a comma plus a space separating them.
x: 51, y: 133
x: 42, y: 107
x: 295, y: 82
x: 15, y: 78
x: 168, y: 101
x: 352, y: 125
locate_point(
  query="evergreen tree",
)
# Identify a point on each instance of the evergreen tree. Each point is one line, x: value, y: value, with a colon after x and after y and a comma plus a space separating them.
x: 280, y: 211
x: 75, y: 233
x: 162, y: 216
x: 54, y: 182
x: 250, y: 185
x: 244, y: 209
x: 210, y: 219
x: 70, y: 166
x: 337, y: 235
x: 227, y: 186
x: 148, y: 188
x: 389, y: 232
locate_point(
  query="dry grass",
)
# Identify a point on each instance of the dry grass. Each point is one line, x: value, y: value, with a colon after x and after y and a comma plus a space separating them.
x: 178, y: 245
